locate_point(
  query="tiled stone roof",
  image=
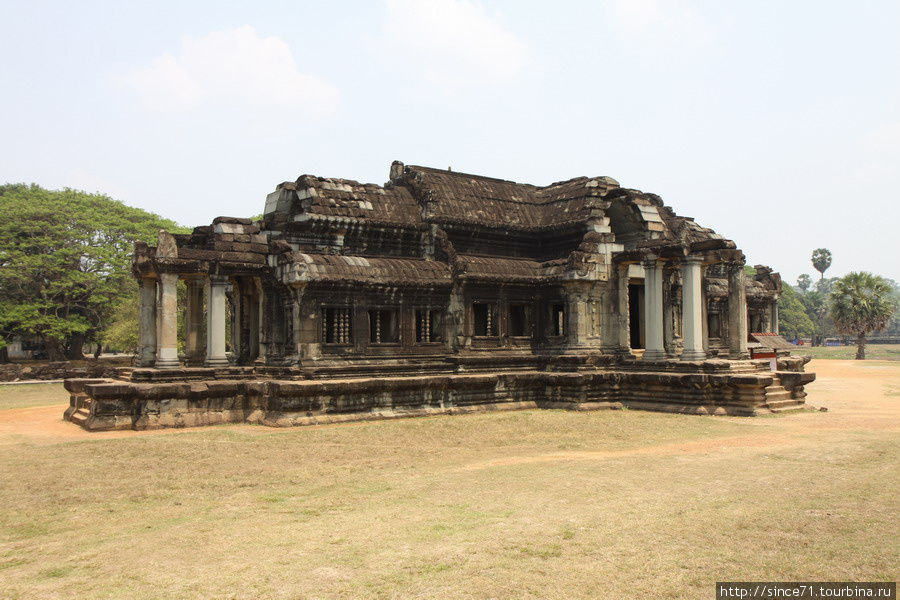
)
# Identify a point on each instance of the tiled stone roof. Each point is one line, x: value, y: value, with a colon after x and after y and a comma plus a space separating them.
x: 367, y: 270
x: 507, y: 269
x: 461, y: 198
x: 348, y: 198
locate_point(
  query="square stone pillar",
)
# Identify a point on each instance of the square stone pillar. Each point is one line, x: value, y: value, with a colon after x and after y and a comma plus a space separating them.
x: 167, y: 317
x: 692, y: 309
x: 623, y: 339
x: 653, y: 309
x: 264, y: 326
x: 670, y: 299
x: 193, y: 321
x: 215, y: 321
x: 583, y: 301
x: 147, y: 332
x: 609, y: 325
x: 774, y: 327
x: 737, y: 312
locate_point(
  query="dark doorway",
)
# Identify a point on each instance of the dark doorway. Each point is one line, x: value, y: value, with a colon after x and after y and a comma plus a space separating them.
x: 636, y: 315
x: 519, y: 320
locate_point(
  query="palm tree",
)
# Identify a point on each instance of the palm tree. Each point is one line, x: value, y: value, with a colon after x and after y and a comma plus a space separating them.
x: 821, y: 260
x: 861, y: 302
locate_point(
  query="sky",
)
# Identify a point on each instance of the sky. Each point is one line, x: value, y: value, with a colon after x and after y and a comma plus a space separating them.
x: 775, y: 123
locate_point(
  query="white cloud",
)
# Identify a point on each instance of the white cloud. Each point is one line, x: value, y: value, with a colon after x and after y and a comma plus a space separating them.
x: 452, y: 42
x: 232, y: 67
x: 650, y: 24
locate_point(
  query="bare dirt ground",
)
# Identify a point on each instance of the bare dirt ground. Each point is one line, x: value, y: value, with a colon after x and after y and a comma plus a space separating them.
x: 531, y: 504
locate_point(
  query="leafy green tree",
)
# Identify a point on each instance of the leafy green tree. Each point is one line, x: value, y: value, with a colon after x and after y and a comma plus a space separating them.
x: 792, y: 318
x: 821, y: 260
x: 65, y: 260
x: 861, y: 302
x: 122, y: 329
x: 825, y: 284
x: 893, y: 328
x: 803, y: 282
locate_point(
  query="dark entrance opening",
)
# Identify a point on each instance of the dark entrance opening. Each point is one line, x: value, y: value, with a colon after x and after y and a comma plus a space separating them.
x: 635, y: 315
x: 519, y: 322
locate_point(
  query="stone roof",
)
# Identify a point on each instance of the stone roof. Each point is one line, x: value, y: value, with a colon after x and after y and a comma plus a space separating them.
x: 369, y: 270
x: 461, y: 198
x: 506, y: 269
x: 352, y: 199
x: 329, y: 229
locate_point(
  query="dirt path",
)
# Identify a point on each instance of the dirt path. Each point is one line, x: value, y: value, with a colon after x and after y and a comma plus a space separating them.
x: 858, y: 396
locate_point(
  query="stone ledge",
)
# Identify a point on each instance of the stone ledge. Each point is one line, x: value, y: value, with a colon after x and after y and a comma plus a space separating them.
x: 116, y: 404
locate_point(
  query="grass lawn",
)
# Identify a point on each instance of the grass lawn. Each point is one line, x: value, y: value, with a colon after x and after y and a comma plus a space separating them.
x: 873, y: 352
x: 531, y: 504
x: 32, y: 394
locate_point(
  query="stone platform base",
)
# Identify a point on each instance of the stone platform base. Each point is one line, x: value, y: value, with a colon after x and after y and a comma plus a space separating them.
x: 710, y: 387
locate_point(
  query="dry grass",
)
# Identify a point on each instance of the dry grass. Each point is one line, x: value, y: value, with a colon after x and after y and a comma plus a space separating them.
x: 873, y: 352
x: 536, y: 504
x: 32, y: 394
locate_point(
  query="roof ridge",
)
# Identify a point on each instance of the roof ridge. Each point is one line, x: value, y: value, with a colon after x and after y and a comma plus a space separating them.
x: 337, y: 179
x: 464, y: 174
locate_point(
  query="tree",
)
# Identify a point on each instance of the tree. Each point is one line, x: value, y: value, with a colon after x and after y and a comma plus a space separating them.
x: 803, y: 282
x: 65, y: 260
x: 861, y: 302
x: 821, y: 260
x: 792, y: 318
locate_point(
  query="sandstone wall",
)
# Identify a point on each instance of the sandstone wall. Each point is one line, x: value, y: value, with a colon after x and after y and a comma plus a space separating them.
x: 99, y: 404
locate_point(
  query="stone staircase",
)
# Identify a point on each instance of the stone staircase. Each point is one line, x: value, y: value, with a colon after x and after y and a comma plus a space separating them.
x: 82, y: 412
x: 779, y: 400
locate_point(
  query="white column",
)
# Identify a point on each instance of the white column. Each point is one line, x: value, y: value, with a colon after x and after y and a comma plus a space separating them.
x: 167, y: 343
x: 147, y: 356
x: 215, y: 322
x: 653, y: 309
x: 737, y: 312
x: 692, y: 309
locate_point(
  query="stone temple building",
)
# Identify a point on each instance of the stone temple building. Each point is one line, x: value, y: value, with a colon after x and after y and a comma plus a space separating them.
x: 442, y: 292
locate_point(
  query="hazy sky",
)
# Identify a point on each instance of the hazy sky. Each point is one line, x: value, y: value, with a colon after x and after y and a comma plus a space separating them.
x: 775, y: 123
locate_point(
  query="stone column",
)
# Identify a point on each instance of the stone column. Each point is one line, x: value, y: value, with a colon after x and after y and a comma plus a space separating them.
x: 623, y: 337
x: 458, y: 335
x: 668, y: 312
x: 653, y: 310
x: 737, y: 313
x: 296, y: 316
x: 192, y: 321
x: 215, y: 322
x: 774, y: 327
x: 579, y: 322
x: 264, y: 326
x: 692, y: 309
x: 609, y: 307
x: 167, y: 343
x: 252, y: 306
x: 237, y: 301
x: 147, y: 356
